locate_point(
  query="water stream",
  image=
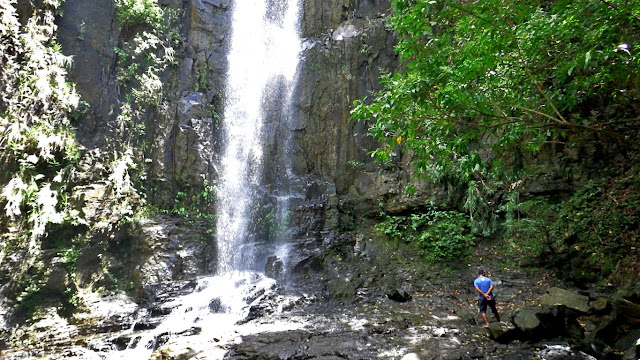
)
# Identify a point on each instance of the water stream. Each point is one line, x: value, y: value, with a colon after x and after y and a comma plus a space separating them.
x: 263, y: 61
x: 264, y: 57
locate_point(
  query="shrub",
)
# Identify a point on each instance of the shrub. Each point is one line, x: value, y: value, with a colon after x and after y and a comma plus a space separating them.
x: 439, y: 234
x: 132, y: 13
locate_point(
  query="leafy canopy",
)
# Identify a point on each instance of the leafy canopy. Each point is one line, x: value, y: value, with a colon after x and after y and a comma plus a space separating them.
x: 510, y: 75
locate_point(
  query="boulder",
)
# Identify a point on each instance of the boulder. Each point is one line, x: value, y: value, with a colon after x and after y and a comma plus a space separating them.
x: 173, y: 353
x: 629, y: 342
x: 169, y: 250
x: 274, y: 268
x: 399, y: 295
x: 627, y: 310
x: 503, y: 333
x: 633, y: 353
x: 619, y: 331
x: 216, y: 306
x: 600, y: 306
x: 561, y: 352
x: 567, y: 298
x: 547, y: 322
x: 58, y: 280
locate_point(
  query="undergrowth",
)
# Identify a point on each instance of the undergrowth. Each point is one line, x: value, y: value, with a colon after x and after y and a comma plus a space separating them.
x: 588, y: 237
x: 439, y: 234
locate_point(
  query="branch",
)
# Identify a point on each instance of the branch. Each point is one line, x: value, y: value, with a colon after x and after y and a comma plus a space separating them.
x: 568, y: 124
x: 555, y: 109
x: 540, y: 113
x: 622, y: 121
x: 617, y: 8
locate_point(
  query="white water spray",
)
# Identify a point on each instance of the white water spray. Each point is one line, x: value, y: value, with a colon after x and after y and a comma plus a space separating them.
x: 264, y: 53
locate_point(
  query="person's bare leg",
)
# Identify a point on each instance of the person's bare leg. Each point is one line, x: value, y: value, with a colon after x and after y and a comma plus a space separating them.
x: 486, y: 320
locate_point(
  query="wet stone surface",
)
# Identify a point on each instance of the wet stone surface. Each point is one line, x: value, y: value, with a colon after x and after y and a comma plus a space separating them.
x: 387, y: 330
x: 314, y: 315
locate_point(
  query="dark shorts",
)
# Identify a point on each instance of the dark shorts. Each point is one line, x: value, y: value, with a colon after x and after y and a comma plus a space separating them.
x: 483, y: 303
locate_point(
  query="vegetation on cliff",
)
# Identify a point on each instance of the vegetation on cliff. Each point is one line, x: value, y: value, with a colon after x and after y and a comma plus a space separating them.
x: 53, y: 191
x: 498, y: 96
x: 37, y: 147
x: 38, y: 153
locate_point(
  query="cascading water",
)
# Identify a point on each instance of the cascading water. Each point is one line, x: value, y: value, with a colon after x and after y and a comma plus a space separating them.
x: 263, y: 61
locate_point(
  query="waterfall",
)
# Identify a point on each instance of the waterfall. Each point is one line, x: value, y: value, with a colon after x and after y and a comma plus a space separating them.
x: 263, y: 60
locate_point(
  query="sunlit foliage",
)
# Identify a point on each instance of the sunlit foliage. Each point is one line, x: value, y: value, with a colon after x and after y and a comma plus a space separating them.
x: 37, y: 147
x: 485, y: 83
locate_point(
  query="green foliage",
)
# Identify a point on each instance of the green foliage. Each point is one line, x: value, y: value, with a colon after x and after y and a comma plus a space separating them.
x: 190, y: 204
x: 70, y: 301
x: 147, y: 49
x: 439, y: 234
x: 484, y: 83
x: 150, y: 34
x: 202, y: 79
x: 144, y: 56
x: 586, y: 235
x: 528, y: 226
x: 37, y: 147
x: 30, y: 298
x: 69, y: 256
x: 138, y: 12
x: 275, y: 222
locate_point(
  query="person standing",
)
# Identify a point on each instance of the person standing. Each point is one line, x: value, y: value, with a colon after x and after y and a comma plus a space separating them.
x: 484, y: 286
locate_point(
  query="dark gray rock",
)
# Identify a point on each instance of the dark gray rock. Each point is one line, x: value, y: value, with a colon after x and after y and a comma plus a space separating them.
x: 618, y: 331
x: 563, y: 352
x: 218, y: 3
x: 274, y: 268
x: 89, y: 34
x: 567, y: 298
x: 547, y: 322
x: 399, y: 295
x: 58, y: 280
x: 629, y: 342
x: 504, y: 332
x: 168, y: 250
x: 633, y: 352
x: 215, y: 306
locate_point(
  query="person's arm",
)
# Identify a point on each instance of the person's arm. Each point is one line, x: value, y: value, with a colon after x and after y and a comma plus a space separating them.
x: 486, y: 296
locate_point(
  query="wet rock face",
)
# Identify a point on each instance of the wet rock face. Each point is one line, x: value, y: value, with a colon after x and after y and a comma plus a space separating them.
x: 90, y: 38
x: 344, y: 59
x: 347, y: 48
x: 180, y: 137
x: 183, y: 131
x: 320, y: 16
x: 167, y: 250
x: 143, y: 258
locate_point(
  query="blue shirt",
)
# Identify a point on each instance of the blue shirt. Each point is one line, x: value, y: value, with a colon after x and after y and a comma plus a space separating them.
x: 483, y: 283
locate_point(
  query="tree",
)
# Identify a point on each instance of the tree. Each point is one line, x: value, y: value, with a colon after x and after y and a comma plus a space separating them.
x: 505, y: 76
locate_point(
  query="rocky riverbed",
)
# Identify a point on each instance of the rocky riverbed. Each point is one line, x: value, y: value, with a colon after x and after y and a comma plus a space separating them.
x: 361, y: 305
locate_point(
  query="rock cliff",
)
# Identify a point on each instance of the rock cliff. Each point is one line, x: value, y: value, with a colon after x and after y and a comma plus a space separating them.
x: 346, y: 49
